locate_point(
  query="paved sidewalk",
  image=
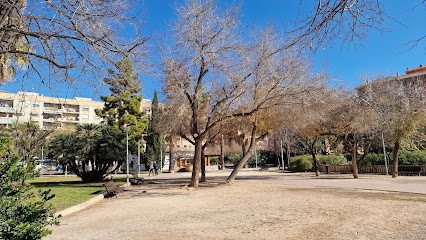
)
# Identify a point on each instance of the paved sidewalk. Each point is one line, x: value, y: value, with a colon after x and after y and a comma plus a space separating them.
x: 412, y: 184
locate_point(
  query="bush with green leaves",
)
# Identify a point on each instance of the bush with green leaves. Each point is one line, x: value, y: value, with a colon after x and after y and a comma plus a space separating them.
x: 302, y: 163
x: 417, y: 157
x: 332, y: 159
x: 234, y: 158
x: 412, y: 157
x: 24, y: 212
x: 214, y: 160
x: 262, y: 158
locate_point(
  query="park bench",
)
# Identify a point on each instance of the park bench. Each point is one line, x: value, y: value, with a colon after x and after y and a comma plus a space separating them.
x: 409, y: 170
x: 137, y: 179
x: 112, y: 189
x: 266, y: 166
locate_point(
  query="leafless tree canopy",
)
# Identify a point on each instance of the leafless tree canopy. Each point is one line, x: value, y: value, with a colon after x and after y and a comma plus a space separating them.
x: 339, y: 20
x: 68, y: 39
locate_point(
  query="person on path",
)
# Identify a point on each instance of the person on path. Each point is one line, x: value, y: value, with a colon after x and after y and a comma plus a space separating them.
x: 156, y: 168
x: 151, y: 168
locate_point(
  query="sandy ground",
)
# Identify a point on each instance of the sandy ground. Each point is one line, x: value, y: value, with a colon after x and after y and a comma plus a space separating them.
x: 261, y: 205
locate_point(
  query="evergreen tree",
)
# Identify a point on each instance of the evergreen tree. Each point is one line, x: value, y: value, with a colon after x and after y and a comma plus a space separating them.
x: 154, y: 140
x: 122, y: 107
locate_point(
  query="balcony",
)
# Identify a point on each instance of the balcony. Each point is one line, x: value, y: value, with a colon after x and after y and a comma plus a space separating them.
x: 52, y: 110
x: 7, y: 109
x: 69, y: 120
x: 6, y: 120
x: 50, y: 120
x: 70, y: 110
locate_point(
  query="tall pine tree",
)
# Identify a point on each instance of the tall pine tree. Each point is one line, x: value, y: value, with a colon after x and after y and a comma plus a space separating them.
x: 154, y: 140
x: 122, y: 107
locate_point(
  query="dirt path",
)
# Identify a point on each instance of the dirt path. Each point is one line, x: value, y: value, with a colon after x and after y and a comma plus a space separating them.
x: 251, y: 209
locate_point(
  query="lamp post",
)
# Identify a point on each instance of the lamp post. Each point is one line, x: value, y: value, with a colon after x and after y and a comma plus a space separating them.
x: 139, y: 157
x: 127, y: 151
x: 255, y: 153
x: 282, y: 154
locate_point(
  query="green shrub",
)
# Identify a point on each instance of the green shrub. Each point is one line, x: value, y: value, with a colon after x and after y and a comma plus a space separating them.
x: 234, y: 158
x: 24, y: 213
x: 301, y: 163
x: 214, y: 160
x: 348, y: 156
x: 411, y: 157
x: 262, y: 158
x: 374, y: 159
x: 332, y: 159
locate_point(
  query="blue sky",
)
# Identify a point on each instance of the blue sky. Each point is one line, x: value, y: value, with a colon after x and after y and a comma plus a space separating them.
x: 382, y: 52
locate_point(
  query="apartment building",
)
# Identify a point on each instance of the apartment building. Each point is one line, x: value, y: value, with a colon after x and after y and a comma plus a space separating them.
x: 49, y: 112
x: 413, y: 83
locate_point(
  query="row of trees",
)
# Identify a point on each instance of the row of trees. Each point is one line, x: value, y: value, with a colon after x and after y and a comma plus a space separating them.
x: 219, y: 79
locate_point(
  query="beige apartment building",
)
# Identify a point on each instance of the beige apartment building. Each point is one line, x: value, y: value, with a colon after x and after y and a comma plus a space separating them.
x: 413, y: 83
x: 51, y: 112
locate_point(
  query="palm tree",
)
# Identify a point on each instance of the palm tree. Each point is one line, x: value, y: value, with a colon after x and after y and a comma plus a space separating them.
x: 90, y: 151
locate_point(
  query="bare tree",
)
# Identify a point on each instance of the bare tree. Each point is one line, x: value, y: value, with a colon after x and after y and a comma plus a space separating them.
x: 343, y: 22
x: 352, y: 123
x: 67, y: 41
x: 339, y: 20
x: 400, y: 106
x: 218, y: 73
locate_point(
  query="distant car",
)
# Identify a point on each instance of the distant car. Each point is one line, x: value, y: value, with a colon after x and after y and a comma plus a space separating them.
x: 46, y: 165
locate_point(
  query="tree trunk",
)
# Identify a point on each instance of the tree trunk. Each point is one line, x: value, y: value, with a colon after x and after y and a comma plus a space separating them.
x: 314, y: 158
x: 222, y: 156
x: 395, y: 158
x: 197, y: 162
x: 364, y: 155
x: 243, y: 146
x: 245, y: 158
x: 203, y: 165
x: 354, y: 165
x: 172, y: 161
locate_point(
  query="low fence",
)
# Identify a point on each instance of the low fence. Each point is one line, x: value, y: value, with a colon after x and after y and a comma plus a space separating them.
x: 379, y: 169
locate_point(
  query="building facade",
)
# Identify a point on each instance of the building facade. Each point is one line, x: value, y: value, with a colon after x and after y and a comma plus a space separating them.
x: 410, y: 85
x: 51, y: 112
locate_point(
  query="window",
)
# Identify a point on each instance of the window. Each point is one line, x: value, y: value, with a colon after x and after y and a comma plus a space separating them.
x: 97, y: 118
x: 85, y: 116
x: 36, y: 105
x: 404, y: 83
x: 46, y: 105
x: 85, y: 108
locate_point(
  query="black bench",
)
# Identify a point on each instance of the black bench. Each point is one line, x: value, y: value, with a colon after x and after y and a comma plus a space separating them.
x: 266, y: 166
x: 112, y: 189
x: 137, y: 179
x: 409, y: 170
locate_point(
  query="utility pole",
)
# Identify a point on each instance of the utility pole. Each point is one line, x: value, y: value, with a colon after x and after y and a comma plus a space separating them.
x: 161, y: 158
x: 282, y: 154
x: 384, y: 154
x: 139, y: 157
x: 255, y: 153
x: 127, y: 154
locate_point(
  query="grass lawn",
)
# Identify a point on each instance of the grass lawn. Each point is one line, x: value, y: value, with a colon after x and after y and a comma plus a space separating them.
x: 70, y: 191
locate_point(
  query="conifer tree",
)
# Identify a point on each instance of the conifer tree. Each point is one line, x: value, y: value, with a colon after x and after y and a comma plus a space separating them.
x: 122, y: 107
x: 154, y: 140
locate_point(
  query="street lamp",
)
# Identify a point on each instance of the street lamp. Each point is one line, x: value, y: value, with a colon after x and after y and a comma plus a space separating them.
x: 127, y: 150
x: 139, y: 157
x: 282, y: 153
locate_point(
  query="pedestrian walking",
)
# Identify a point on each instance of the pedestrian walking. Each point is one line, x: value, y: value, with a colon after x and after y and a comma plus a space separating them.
x: 156, y: 168
x: 151, y: 168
